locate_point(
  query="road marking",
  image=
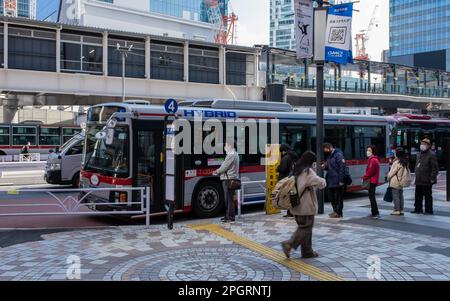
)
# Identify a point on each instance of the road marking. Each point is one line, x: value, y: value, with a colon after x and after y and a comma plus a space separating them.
x: 270, y: 253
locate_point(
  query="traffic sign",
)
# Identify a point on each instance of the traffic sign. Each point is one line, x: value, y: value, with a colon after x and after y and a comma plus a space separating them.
x: 171, y: 106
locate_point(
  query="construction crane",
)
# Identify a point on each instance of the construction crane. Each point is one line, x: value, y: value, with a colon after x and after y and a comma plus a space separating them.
x: 220, y: 13
x: 362, y: 38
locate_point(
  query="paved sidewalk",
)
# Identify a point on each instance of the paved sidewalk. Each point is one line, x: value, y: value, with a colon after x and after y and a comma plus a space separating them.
x: 408, y: 248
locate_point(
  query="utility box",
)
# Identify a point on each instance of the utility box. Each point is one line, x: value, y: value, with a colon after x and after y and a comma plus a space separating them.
x: 276, y: 92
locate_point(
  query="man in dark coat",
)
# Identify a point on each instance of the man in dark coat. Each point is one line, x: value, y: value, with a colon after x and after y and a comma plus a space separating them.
x: 288, y: 159
x: 335, y: 167
x: 427, y: 170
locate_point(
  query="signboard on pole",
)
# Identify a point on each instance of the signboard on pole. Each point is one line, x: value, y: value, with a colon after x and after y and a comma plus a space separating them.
x: 304, y: 28
x: 338, y: 43
x: 272, y: 162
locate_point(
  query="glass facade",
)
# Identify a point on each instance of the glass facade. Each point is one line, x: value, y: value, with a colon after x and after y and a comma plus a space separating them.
x: 195, y: 10
x: 23, y: 8
x: 419, y: 26
x: 282, y: 30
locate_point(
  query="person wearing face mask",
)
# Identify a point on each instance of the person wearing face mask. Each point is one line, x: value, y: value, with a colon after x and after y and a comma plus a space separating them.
x: 229, y: 170
x: 288, y: 159
x: 427, y: 170
x: 307, y: 185
x: 372, y: 175
x: 335, y: 167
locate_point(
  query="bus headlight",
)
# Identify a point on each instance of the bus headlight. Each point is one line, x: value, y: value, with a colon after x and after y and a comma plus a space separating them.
x: 55, y: 166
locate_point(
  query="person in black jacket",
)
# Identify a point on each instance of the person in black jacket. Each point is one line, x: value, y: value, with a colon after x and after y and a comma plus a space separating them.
x: 288, y: 159
x: 427, y: 170
x: 335, y: 167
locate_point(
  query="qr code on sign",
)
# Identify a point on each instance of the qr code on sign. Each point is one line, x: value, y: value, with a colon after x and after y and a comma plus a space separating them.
x: 337, y: 35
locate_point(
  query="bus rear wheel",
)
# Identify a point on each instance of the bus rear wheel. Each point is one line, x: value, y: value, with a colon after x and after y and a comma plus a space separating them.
x: 208, y: 200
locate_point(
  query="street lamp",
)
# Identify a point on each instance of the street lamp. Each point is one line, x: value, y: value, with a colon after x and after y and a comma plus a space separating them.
x: 124, y: 51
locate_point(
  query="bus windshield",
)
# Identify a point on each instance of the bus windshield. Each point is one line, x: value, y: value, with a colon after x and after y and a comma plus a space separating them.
x: 111, y: 160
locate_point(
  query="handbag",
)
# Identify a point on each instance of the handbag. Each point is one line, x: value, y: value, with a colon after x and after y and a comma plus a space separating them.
x: 366, y: 184
x: 233, y: 184
x: 388, y: 195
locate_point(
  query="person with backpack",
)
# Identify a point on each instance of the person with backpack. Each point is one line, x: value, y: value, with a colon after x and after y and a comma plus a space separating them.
x: 371, y: 179
x: 229, y: 175
x: 335, y: 167
x: 427, y: 170
x: 288, y: 158
x: 307, y: 182
x: 399, y: 177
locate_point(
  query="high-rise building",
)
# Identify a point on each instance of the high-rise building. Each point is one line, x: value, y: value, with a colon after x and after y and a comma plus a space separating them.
x: 419, y: 33
x: 282, y: 29
x: 23, y: 8
x: 191, y: 19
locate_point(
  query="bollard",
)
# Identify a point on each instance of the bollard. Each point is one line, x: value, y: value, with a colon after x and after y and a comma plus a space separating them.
x: 239, y: 200
x: 147, y: 206
x: 448, y: 170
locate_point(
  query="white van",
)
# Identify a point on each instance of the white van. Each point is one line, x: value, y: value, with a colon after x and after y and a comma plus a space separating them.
x: 63, y: 167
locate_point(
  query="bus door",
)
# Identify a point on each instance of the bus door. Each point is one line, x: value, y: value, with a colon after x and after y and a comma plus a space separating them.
x: 148, y: 163
x: 173, y: 171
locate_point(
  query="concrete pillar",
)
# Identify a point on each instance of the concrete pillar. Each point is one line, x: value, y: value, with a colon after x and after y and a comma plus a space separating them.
x: 222, y: 66
x: 58, y: 50
x: 105, y: 53
x: 256, y: 69
x: 186, y: 61
x: 147, y: 58
x: 10, y: 111
x: 5, y: 46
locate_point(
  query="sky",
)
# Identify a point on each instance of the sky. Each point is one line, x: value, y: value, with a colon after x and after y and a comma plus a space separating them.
x: 253, y: 25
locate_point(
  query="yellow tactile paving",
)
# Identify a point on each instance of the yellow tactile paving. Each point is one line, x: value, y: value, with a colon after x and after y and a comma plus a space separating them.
x: 270, y: 253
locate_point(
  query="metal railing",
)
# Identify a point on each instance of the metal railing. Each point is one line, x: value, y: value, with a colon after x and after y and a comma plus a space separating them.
x: 31, y: 157
x: 241, y: 192
x: 63, y: 202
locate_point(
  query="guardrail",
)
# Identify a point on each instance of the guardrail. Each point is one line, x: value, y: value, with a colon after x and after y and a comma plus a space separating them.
x: 241, y: 192
x: 31, y: 157
x: 63, y: 202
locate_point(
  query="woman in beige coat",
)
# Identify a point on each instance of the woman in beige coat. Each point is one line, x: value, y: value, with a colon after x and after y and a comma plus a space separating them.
x: 307, y: 184
x: 398, y: 177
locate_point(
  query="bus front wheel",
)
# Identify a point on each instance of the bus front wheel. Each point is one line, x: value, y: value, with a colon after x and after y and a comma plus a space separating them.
x: 208, y: 200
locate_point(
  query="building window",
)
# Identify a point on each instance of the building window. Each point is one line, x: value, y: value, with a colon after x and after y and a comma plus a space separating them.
x: 237, y: 68
x: 135, y: 61
x: 31, y: 49
x: 167, y: 61
x: 204, y: 65
x: 81, y: 54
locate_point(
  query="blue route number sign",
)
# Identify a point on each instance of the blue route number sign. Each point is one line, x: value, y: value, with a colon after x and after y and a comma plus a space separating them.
x: 171, y: 106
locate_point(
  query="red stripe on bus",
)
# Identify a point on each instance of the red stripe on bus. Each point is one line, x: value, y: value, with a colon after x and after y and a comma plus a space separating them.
x: 107, y: 180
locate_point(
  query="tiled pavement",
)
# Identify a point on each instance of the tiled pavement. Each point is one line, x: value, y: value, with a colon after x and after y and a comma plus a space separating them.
x: 408, y: 248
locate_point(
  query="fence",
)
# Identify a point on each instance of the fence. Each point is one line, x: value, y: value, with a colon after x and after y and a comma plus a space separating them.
x: 32, y: 157
x: 63, y: 202
x: 241, y: 192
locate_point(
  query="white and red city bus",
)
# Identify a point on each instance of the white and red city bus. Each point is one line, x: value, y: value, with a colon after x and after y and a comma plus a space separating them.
x: 134, y: 156
x: 409, y: 129
x: 41, y: 137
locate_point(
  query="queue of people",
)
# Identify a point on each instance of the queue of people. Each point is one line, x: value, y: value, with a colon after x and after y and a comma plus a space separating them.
x: 308, y: 183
